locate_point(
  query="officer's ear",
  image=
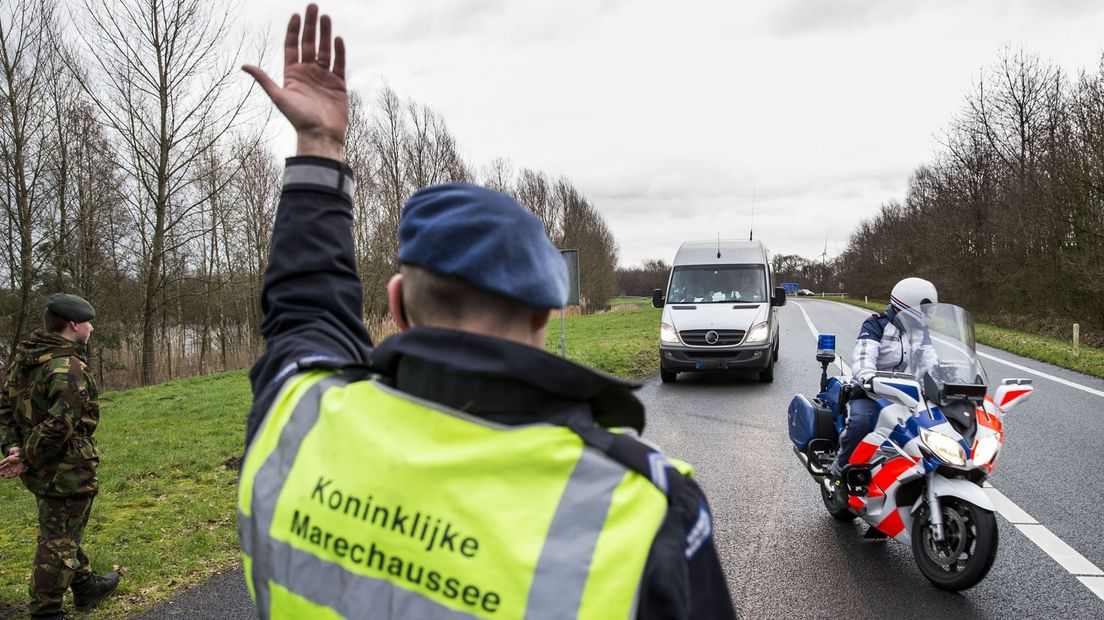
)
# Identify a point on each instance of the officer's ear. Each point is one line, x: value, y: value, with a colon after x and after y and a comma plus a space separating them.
x: 395, y: 302
x: 540, y: 319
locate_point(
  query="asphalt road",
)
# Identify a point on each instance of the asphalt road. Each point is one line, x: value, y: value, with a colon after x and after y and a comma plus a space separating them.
x: 786, y: 557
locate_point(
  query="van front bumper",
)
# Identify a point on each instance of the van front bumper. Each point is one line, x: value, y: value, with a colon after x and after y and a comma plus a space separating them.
x: 685, y: 359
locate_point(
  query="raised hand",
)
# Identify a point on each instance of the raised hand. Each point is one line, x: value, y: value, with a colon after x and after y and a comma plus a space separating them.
x: 313, y: 98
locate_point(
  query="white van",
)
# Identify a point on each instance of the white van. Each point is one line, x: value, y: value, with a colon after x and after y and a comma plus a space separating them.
x: 720, y: 311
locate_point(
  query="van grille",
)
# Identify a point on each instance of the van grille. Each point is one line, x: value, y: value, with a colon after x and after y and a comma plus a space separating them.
x: 726, y: 337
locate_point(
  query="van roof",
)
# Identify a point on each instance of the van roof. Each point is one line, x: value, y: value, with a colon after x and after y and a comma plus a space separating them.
x: 731, y: 252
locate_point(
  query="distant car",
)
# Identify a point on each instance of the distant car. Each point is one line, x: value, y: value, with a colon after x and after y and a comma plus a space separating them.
x: 805, y: 293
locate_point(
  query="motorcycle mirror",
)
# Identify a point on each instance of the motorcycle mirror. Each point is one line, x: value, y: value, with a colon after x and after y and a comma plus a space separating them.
x: 657, y: 298
x: 931, y: 389
x: 1008, y: 395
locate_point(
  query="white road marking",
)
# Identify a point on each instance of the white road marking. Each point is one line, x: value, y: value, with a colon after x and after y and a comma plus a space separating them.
x: 1055, y: 547
x: 1037, y: 373
x: 844, y: 368
x: 1008, y: 509
x: 1076, y: 386
x: 1096, y: 584
x: 1066, y: 556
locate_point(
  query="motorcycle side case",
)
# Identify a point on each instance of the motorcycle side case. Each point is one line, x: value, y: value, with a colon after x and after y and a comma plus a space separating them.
x: 809, y: 420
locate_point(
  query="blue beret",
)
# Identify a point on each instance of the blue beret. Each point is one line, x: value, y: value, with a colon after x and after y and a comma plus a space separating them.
x: 485, y: 238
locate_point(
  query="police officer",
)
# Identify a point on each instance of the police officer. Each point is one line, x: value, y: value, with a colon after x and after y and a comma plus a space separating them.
x: 883, y: 345
x: 48, y: 413
x: 456, y: 470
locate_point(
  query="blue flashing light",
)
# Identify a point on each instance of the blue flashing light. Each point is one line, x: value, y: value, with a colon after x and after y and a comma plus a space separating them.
x: 826, y: 344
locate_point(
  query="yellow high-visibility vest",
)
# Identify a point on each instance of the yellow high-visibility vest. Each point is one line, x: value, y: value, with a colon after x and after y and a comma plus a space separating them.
x: 359, y: 501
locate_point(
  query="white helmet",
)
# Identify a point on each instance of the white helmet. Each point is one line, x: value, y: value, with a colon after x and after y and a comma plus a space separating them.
x: 911, y: 293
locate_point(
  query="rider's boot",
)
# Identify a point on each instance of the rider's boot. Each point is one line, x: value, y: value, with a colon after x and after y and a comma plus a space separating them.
x: 839, y: 487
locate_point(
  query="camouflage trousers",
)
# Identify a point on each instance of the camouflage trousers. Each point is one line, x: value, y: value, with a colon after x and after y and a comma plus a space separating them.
x: 59, y: 559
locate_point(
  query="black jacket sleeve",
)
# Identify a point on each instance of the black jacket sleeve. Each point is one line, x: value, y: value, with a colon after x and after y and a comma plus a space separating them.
x: 312, y: 298
x: 683, y: 576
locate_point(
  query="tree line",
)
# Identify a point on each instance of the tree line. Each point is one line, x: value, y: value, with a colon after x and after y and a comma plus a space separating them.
x: 136, y: 174
x: 818, y: 275
x: 1008, y: 218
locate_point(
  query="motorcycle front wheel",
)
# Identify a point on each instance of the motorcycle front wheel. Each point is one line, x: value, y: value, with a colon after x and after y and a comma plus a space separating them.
x: 967, y: 550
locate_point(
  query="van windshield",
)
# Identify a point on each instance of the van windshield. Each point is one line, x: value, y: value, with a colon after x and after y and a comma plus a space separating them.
x: 704, y: 284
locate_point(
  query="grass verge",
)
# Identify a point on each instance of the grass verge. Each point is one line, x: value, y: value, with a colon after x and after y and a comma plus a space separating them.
x: 165, y: 515
x: 622, y: 342
x: 1089, y: 360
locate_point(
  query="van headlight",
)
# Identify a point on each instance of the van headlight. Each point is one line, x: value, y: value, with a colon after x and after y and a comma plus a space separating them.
x: 986, y: 449
x: 943, y: 447
x: 758, y: 333
x: 668, y: 334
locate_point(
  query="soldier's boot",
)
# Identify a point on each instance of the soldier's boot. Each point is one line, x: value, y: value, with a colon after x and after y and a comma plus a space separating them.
x: 93, y: 589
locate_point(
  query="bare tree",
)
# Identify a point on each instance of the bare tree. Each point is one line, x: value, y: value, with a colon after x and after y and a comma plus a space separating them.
x: 498, y: 175
x: 255, y: 190
x: 585, y: 230
x: 27, y: 69
x: 1013, y: 204
x: 534, y: 192
x: 162, y: 81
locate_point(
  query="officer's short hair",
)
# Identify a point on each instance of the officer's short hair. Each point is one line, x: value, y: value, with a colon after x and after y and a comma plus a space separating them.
x: 434, y: 299
x: 52, y: 322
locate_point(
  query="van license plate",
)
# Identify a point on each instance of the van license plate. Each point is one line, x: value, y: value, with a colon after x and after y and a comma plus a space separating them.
x: 710, y: 364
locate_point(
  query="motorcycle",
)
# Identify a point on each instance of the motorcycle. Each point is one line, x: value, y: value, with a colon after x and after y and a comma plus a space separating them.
x: 917, y: 477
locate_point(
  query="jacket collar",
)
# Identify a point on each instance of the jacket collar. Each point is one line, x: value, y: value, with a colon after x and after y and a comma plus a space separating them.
x: 486, y: 376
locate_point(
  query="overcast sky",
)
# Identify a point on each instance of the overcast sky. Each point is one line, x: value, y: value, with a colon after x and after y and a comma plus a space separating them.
x: 668, y: 116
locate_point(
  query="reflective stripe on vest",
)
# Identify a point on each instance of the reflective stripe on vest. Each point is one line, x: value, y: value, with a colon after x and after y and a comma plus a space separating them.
x: 360, y: 501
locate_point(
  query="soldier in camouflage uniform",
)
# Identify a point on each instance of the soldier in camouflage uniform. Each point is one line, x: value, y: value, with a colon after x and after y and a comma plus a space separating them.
x: 48, y: 413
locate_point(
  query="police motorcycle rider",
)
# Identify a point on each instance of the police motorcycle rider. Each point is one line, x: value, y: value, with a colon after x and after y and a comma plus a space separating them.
x: 883, y: 345
x: 454, y: 470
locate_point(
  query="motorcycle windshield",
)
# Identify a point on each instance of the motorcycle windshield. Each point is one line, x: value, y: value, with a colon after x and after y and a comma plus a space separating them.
x: 942, y: 337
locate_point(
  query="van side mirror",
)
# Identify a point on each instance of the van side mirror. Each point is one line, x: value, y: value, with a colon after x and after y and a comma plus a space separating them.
x: 779, y: 298
x: 657, y: 298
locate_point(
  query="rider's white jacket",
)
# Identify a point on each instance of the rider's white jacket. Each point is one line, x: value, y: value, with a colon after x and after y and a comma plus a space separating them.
x: 881, y: 345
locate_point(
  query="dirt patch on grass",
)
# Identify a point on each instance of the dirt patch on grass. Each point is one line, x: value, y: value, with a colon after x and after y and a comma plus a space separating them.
x: 233, y: 462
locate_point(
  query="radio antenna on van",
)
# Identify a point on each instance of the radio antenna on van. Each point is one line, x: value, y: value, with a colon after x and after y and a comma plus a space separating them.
x: 751, y: 229
x: 718, y: 244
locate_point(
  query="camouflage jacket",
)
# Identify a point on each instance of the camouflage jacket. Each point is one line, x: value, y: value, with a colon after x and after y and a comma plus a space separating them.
x: 48, y: 407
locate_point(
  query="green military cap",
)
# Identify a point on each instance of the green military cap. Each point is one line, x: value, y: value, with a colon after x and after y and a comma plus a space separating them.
x: 70, y: 307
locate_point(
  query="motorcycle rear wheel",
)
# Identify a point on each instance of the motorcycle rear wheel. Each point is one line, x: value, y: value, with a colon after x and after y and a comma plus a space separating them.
x: 968, y: 548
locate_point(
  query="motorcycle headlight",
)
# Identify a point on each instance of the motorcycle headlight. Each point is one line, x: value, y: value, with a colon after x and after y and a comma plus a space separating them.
x: 758, y: 333
x: 943, y: 447
x: 668, y: 334
x: 986, y: 449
